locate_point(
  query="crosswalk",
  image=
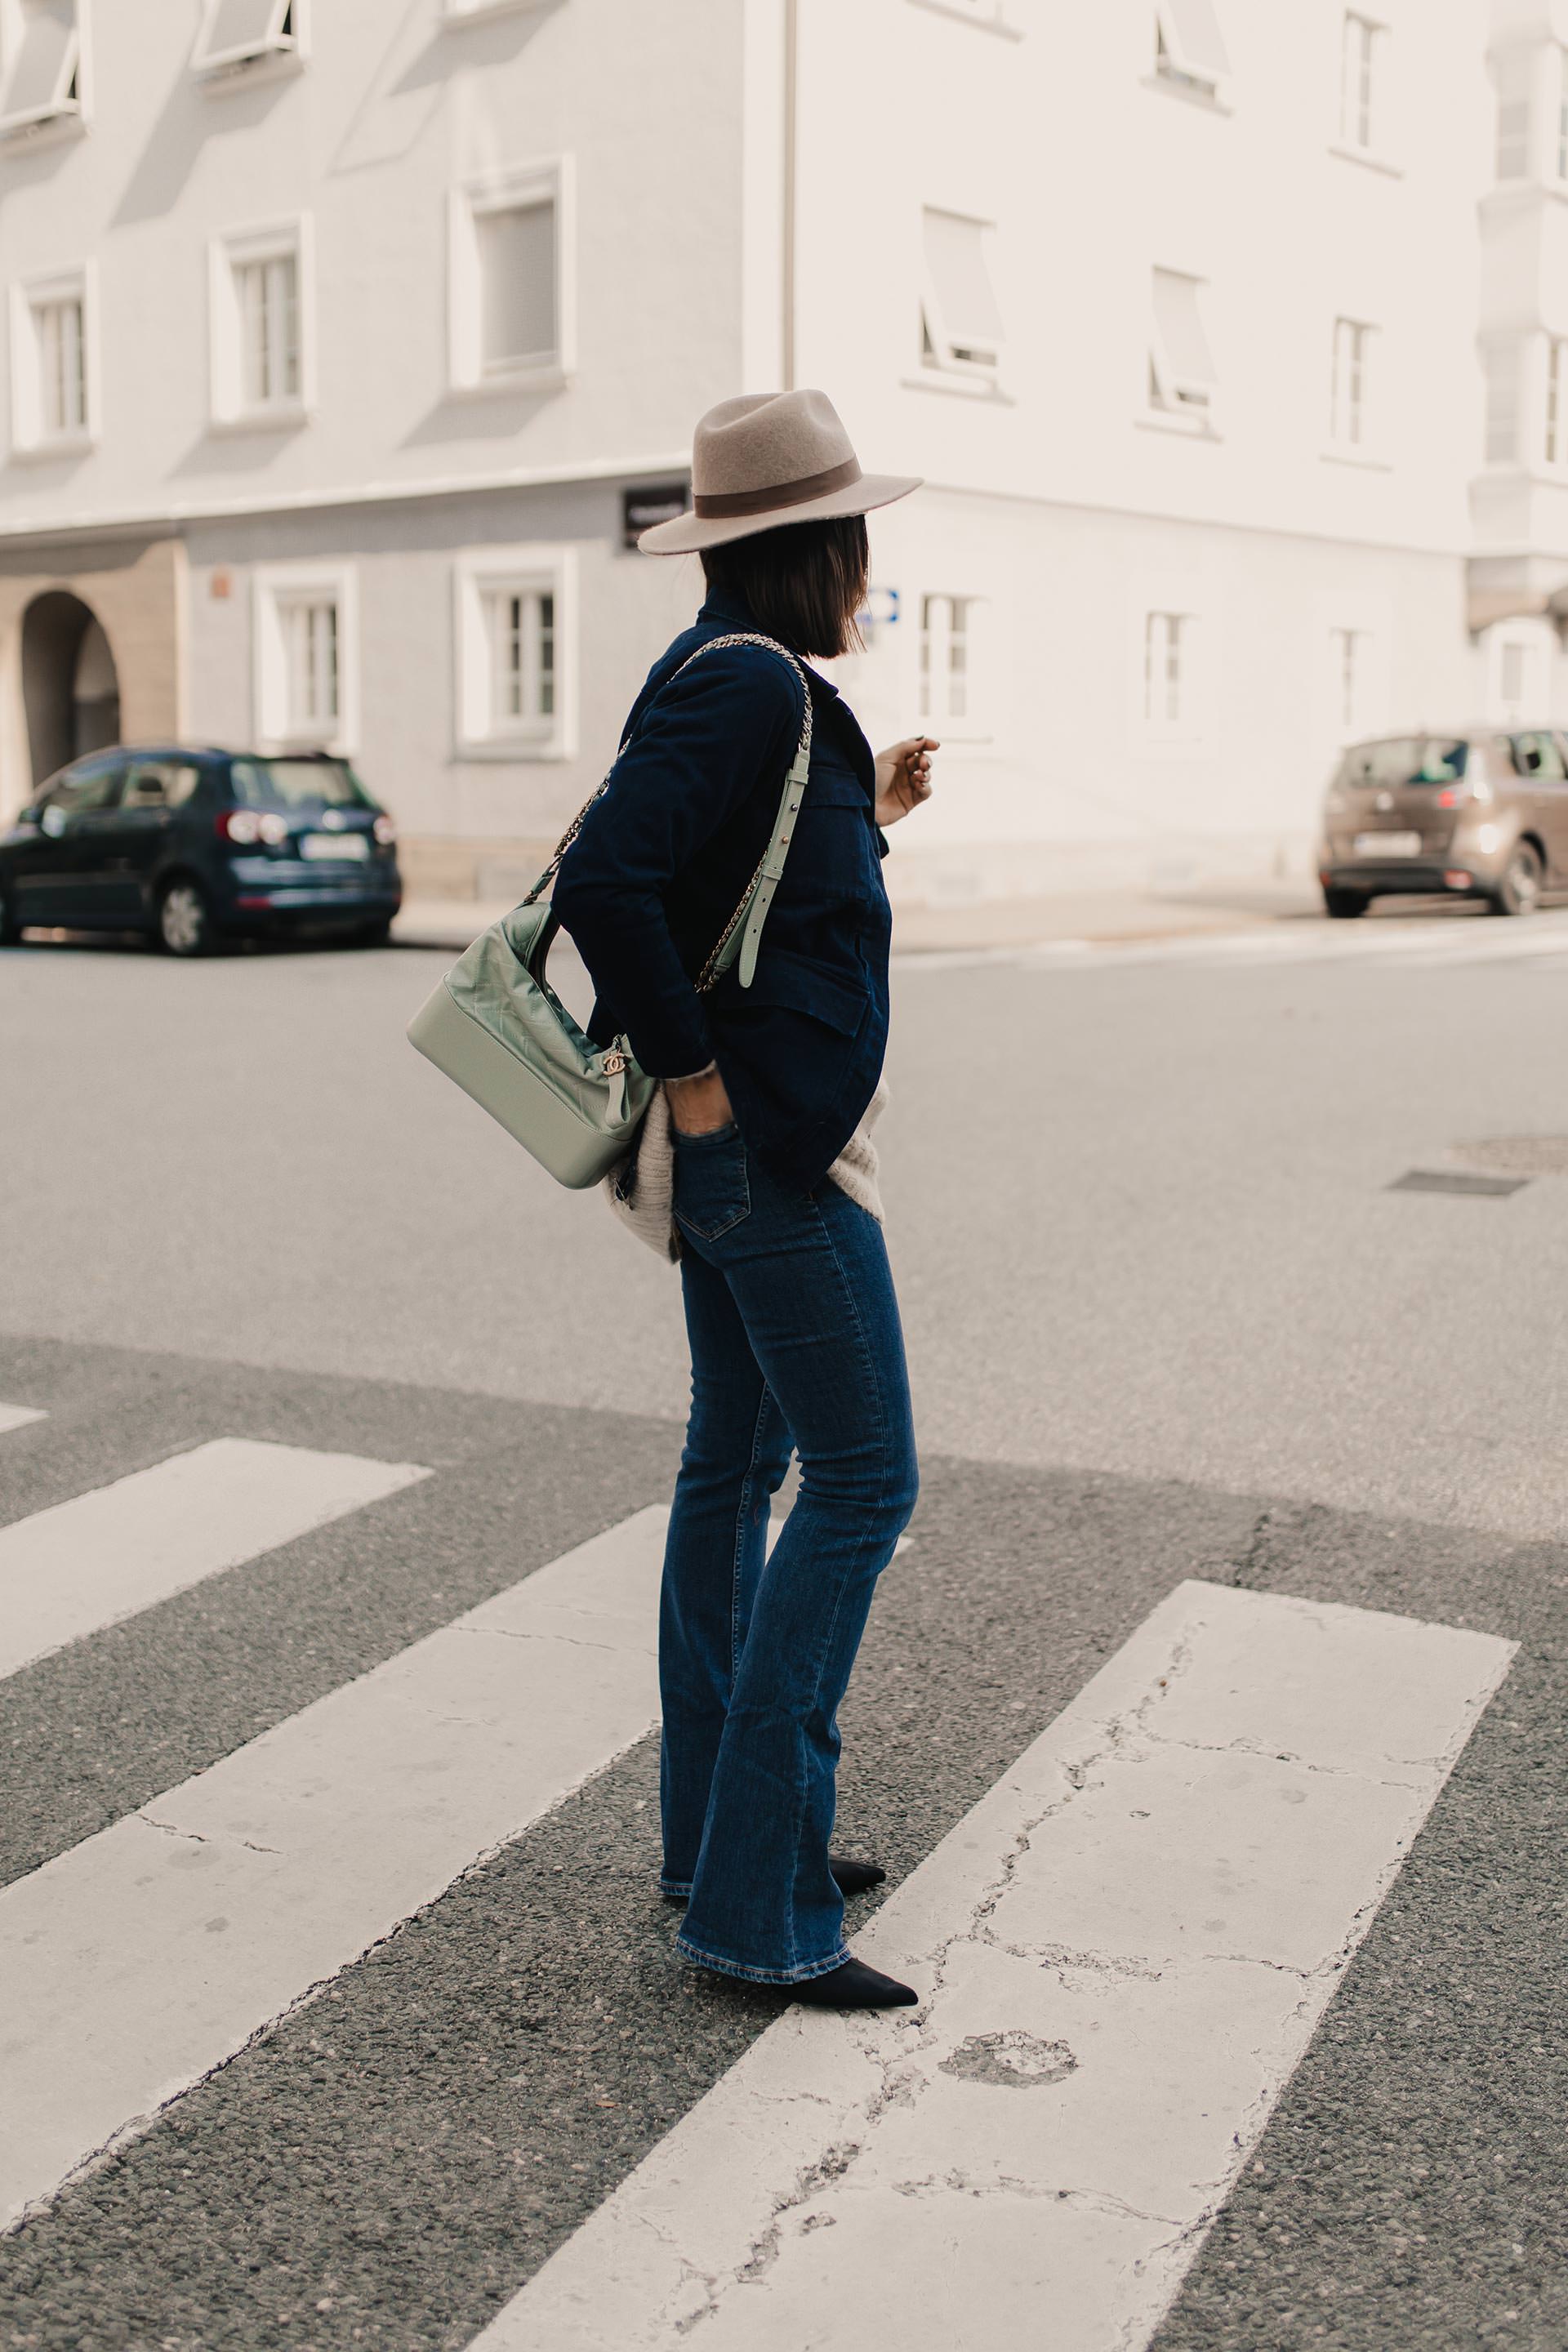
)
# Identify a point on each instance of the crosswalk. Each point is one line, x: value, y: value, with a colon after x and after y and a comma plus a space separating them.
x: 1427, y: 943
x: 1122, y: 1948
x: 104, y: 1555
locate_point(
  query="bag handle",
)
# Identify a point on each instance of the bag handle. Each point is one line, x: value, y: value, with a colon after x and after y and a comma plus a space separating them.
x: 741, y: 935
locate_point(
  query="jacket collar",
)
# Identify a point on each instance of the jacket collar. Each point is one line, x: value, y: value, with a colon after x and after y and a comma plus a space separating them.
x: 723, y: 611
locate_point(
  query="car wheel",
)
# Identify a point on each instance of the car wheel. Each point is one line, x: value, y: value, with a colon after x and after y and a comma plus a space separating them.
x: 185, y: 920
x: 1344, y: 905
x: 374, y: 935
x: 1518, y: 892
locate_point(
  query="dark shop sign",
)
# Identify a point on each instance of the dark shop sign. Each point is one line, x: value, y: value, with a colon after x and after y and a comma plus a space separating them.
x: 640, y: 510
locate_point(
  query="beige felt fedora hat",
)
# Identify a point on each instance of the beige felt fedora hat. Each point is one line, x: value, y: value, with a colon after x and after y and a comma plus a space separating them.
x: 766, y: 458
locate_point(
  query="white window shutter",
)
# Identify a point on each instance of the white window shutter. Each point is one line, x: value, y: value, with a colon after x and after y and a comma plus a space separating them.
x: 516, y: 286
x: 965, y: 316
x: 1192, y: 39
x: 1182, y: 363
x: 47, y: 62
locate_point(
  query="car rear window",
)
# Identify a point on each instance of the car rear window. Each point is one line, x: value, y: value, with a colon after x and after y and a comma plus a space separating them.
x: 1405, y: 760
x: 298, y: 783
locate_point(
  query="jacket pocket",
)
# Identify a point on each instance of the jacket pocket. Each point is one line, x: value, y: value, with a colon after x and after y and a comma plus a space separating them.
x: 798, y: 984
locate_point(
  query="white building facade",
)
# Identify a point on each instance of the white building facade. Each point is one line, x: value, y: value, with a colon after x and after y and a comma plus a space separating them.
x: 347, y: 345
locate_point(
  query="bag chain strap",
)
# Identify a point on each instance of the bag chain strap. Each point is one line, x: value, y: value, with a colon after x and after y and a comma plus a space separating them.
x: 710, y: 972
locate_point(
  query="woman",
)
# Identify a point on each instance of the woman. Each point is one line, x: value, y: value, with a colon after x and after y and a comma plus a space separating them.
x: 793, y: 1327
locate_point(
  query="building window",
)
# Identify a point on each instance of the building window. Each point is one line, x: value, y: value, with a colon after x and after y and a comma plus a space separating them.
x: 1348, y: 384
x: 236, y: 33
x: 1189, y: 49
x: 42, y: 63
x: 305, y: 657
x: 1560, y: 153
x: 261, y: 315
x: 1361, y: 44
x: 1348, y: 650
x: 961, y: 321
x: 510, y: 322
x: 1180, y: 368
x: 1513, y: 115
x: 520, y: 631
x: 947, y: 658
x: 1554, y: 440
x: 267, y: 296
x: 1167, y: 639
x: 60, y: 329
x: 515, y: 629
x: 53, y: 400
x: 308, y: 621
x: 1504, y: 389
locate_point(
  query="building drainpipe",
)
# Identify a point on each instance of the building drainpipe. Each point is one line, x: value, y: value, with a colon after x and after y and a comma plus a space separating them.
x: 791, y: 63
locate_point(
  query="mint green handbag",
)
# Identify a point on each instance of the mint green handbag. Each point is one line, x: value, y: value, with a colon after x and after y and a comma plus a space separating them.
x: 495, y: 1026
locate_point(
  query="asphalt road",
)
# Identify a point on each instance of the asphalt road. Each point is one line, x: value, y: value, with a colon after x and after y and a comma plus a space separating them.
x: 1140, y: 1213
x: 1166, y: 1319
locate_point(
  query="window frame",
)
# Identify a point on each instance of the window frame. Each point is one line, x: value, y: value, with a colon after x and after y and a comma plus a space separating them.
x: 1505, y: 366
x: 976, y: 722
x: 1521, y: 62
x: 63, y: 113
x: 1165, y: 384
x: 1182, y: 74
x: 1360, y: 442
x: 470, y: 12
x: 1184, y: 597
x: 28, y: 296
x: 550, y: 181
x: 227, y: 253
x: 224, y: 69
x: 1552, y: 438
x: 1377, y: 31
x: 531, y: 568
x: 274, y: 587
x: 939, y: 356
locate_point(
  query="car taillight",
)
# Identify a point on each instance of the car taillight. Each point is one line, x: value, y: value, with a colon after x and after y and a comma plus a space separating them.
x: 385, y: 831
x: 245, y: 827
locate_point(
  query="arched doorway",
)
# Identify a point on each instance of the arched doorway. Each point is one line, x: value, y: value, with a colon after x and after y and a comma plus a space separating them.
x: 70, y: 689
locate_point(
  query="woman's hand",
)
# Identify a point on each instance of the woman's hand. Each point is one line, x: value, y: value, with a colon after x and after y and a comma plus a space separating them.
x: 699, y: 1104
x: 903, y: 777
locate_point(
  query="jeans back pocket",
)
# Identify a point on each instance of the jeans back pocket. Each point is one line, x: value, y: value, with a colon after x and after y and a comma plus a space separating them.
x: 712, y: 1191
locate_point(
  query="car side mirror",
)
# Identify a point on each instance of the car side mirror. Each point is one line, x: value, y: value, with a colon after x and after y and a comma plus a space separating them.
x: 52, y: 821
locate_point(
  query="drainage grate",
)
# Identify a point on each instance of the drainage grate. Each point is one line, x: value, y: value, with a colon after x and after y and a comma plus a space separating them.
x: 1515, y: 1155
x: 1457, y: 1179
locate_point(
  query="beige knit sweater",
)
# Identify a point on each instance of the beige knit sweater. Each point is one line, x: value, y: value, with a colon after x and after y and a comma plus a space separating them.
x: 640, y: 1188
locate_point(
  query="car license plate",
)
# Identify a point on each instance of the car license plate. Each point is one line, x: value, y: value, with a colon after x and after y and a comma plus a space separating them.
x: 335, y: 845
x: 1388, y: 844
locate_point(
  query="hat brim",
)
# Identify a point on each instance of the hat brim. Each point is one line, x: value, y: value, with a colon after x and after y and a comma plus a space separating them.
x: 687, y: 534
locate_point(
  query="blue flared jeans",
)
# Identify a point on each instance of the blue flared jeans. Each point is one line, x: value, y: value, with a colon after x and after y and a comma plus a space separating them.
x: 795, y: 1345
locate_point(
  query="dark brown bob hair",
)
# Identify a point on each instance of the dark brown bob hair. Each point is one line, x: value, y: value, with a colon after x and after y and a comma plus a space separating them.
x: 804, y: 582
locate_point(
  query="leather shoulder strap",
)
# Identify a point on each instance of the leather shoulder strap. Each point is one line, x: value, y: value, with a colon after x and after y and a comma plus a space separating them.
x: 743, y: 933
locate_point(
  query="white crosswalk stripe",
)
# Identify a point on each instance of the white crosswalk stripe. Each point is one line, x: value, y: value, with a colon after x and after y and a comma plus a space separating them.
x: 67, y: 1571
x: 17, y: 1416
x: 150, y: 1954
x: 1124, y: 1949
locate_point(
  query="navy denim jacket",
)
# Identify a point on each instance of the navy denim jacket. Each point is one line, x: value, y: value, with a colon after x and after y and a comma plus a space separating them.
x: 663, y: 859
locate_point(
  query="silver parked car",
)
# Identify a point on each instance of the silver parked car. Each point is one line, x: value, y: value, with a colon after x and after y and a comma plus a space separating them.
x: 1479, y: 813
